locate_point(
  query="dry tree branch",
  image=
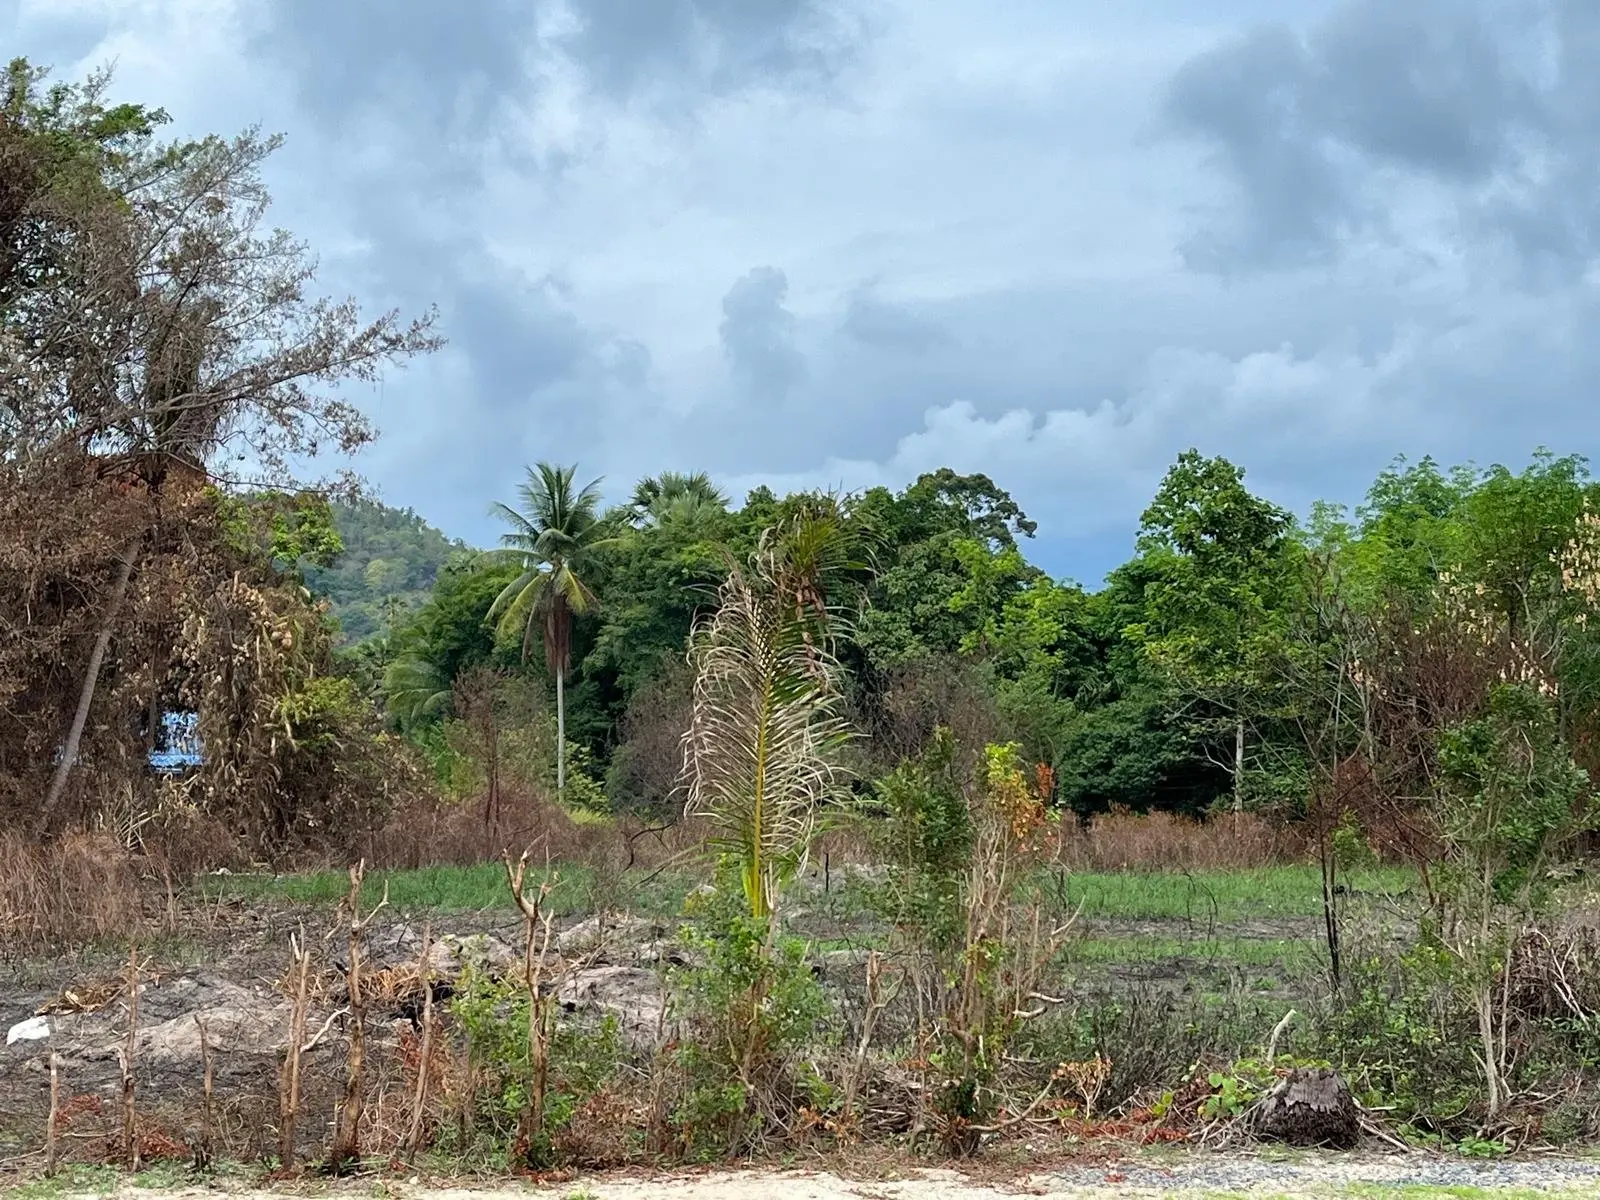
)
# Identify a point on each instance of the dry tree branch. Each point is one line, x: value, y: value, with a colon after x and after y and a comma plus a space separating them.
x: 347, y: 1122
x: 419, y: 1100
x: 289, y: 1077
x: 538, y: 926
x: 130, y: 1131
x: 203, y: 1151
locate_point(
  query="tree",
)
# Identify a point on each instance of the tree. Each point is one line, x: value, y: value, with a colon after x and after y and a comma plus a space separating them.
x: 152, y: 328
x: 672, y: 496
x: 1211, y: 619
x: 553, y: 537
x: 761, y: 753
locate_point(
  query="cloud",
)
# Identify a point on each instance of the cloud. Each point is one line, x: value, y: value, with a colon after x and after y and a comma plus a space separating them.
x: 885, y: 325
x: 757, y: 335
x: 716, y: 46
x: 1364, y: 228
x: 1468, y: 121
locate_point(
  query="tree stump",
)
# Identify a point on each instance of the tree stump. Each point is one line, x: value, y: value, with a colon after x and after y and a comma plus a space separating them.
x: 1307, y: 1107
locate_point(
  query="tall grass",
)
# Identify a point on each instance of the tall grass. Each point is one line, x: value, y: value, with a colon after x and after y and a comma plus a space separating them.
x: 80, y: 887
x: 1123, y: 841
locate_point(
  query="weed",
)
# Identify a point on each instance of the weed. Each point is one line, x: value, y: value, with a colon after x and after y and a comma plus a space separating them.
x: 493, y: 1017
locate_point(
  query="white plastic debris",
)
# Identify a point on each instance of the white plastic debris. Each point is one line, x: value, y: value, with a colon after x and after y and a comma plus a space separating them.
x: 32, y: 1030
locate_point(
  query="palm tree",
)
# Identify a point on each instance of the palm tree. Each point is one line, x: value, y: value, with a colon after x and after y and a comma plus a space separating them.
x: 761, y: 752
x: 553, y: 537
x: 416, y: 690
x: 672, y: 496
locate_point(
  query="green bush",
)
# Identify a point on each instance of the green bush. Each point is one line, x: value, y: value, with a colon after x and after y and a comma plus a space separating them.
x: 751, y: 1009
x: 492, y: 1015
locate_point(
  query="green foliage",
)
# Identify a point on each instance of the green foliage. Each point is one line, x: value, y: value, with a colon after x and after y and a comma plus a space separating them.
x: 281, y: 531
x: 492, y: 1015
x: 318, y: 711
x: 920, y: 824
x: 1511, y: 795
x: 551, y: 540
x: 753, y: 1009
x: 385, y: 569
x: 1403, y: 1037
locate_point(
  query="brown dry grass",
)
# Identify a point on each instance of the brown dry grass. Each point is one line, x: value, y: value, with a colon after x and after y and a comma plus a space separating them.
x: 78, y: 887
x: 443, y: 833
x: 1122, y: 840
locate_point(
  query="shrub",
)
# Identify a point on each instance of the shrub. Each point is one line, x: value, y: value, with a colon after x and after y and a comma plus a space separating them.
x: 492, y: 1015
x: 750, y: 1011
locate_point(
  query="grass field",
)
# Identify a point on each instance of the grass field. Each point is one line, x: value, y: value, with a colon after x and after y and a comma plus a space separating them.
x: 1218, y: 929
x: 1200, y: 899
x: 1219, y: 897
x: 574, y: 889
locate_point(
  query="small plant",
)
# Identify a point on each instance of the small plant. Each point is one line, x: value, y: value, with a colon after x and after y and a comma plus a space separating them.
x: 1238, y: 1087
x: 492, y: 1015
x: 750, y: 1009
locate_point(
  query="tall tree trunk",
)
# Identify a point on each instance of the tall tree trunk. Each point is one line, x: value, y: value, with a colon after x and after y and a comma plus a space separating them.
x: 91, y: 678
x: 561, y: 735
x: 1238, y: 770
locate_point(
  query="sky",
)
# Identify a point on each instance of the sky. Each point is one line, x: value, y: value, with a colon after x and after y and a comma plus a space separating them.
x: 837, y: 243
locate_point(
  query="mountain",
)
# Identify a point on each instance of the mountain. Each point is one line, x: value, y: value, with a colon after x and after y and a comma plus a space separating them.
x: 390, y: 559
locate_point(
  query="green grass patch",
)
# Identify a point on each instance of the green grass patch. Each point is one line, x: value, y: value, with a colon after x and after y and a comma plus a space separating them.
x: 1136, y: 948
x: 482, y: 887
x: 74, y: 1179
x: 1215, y: 897
x: 440, y: 889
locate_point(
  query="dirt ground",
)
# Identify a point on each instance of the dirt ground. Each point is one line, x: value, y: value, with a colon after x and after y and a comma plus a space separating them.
x: 1188, y: 1177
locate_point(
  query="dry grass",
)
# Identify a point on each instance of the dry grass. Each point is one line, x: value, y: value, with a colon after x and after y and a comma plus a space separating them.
x: 1125, y: 841
x: 79, y: 887
x: 436, y: 833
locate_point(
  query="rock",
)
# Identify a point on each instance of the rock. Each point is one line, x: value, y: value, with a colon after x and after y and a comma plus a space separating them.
x: 238, y: 1021
x: 670, y: 952
x: 1307, y: 1107
x: 604, y: 931
x: 450, y: 954
x: 260, y: 1026
x: 631, y: 994
x: 839, y: 966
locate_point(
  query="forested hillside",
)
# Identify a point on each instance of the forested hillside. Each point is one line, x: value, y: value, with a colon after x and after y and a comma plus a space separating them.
x: 387, y: 568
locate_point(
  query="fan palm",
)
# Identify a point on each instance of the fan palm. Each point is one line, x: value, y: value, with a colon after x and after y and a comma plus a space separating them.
x: 672, y: 496
x: 552, y: 536
x: 761, y: 750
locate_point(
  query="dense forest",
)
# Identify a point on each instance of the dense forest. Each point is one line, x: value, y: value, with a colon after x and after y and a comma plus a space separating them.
x: 1177, y: 685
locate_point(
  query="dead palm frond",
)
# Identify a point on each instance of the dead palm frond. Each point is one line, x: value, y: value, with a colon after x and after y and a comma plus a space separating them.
x: 761, y: 753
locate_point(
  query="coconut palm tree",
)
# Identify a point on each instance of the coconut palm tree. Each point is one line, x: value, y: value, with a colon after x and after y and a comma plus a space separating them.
x: 416, y: 690
x: 553, y: 536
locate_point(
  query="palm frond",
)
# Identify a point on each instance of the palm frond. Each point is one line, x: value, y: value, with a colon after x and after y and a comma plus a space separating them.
x: 416, y: 690
x: 761, y: 752
x: 552, y: 537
